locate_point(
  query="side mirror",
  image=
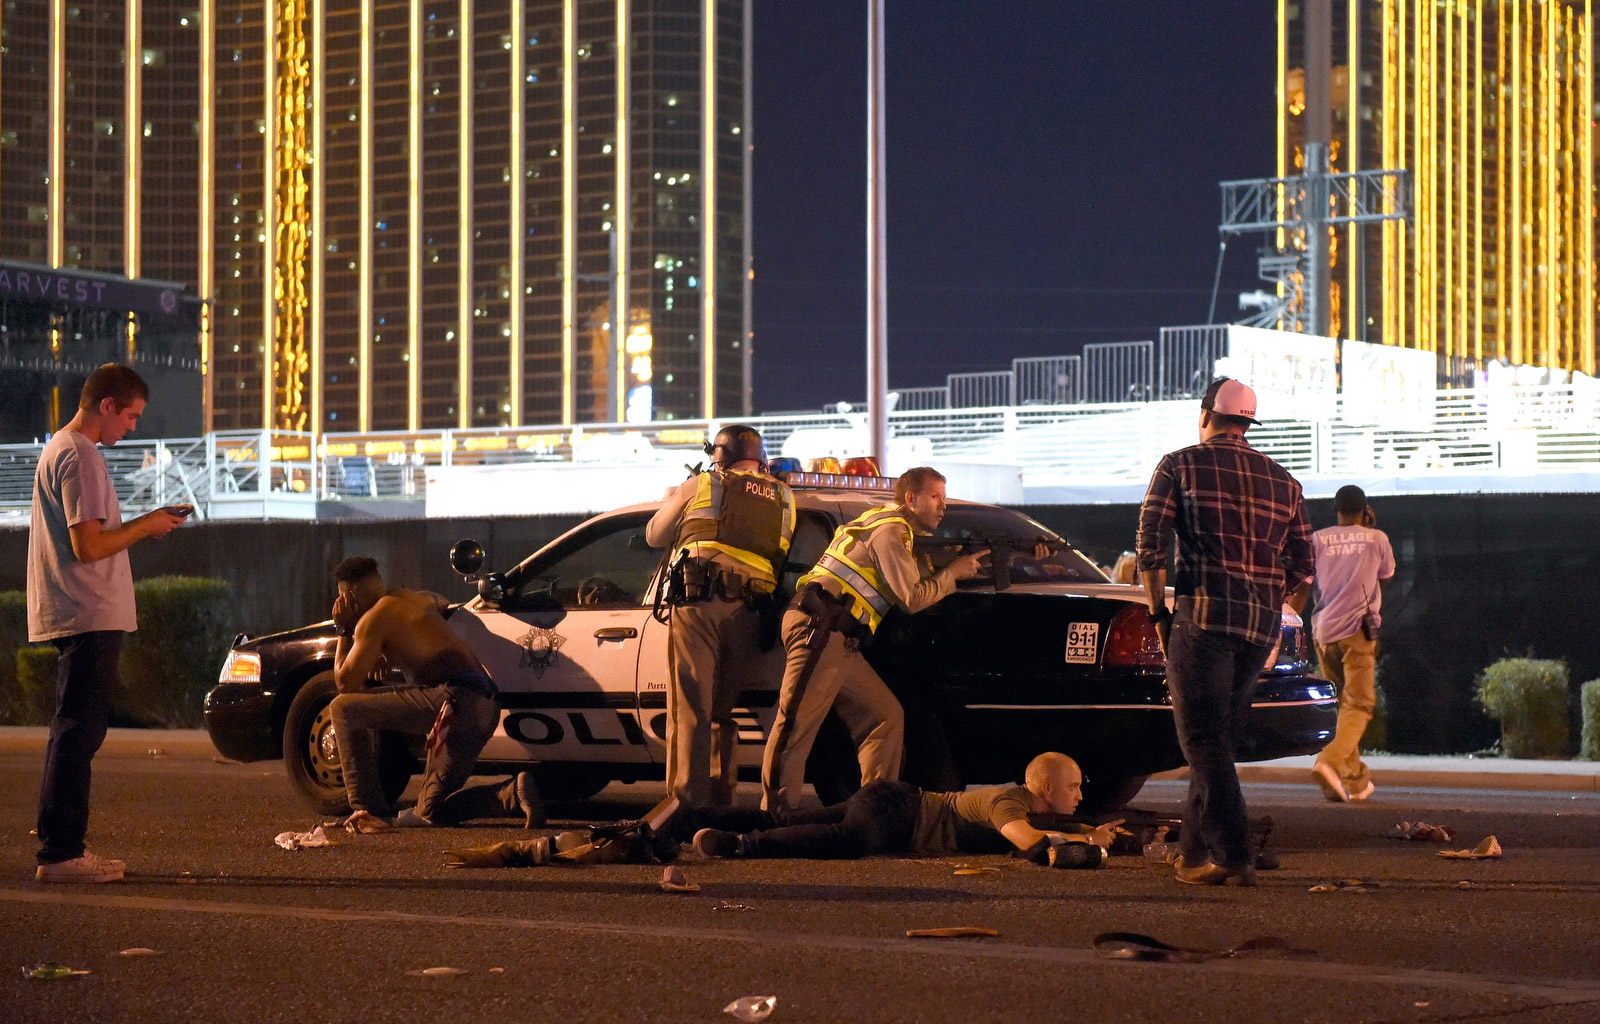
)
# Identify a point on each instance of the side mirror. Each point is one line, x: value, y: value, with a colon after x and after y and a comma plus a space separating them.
x: 466, y: 557
x: 492, y: 588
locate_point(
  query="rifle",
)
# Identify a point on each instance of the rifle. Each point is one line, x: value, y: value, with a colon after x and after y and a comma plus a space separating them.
x: 1001, y: 549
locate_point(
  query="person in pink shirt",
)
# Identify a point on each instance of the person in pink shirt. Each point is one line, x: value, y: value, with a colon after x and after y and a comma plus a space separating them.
x: 1354, y: 561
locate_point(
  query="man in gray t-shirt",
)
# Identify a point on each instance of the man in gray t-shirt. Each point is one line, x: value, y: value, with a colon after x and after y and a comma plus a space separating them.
x: 1354, y: 561
x: 80, y: 597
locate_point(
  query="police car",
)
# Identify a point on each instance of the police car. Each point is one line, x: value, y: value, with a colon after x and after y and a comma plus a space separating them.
x: 1050, y: 656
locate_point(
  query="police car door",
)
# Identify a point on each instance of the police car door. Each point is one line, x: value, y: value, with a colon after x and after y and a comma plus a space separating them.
x: 564, y: 647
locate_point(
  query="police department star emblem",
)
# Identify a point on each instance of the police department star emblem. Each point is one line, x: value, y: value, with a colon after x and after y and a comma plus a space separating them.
x: 539, y: 648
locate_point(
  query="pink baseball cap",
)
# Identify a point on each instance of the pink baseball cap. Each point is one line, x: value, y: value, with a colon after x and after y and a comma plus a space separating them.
x: 1228, y: 397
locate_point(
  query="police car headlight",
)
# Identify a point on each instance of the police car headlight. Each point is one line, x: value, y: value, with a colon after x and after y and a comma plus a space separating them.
x: 241, y: 667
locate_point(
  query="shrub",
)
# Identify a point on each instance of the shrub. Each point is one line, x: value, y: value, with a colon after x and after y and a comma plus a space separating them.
x: 1590, y: 702
x: 1528, y: 697
x: 186, y: 625
x: 35, y: 667
x: 14, y: 709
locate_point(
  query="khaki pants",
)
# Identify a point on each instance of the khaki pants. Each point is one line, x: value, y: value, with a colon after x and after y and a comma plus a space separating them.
x: 712, y: 643
x: 1352, y: 664
x: 842, y: 679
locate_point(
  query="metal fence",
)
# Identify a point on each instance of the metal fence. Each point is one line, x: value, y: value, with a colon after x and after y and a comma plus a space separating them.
x: 1118, y: 371
x: 1048, y: 380
x: 975, y: 390
x: 1186, y: 358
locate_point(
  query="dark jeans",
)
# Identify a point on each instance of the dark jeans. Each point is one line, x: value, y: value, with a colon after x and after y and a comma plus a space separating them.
x: 1212, y: 677
x: 878, y: 818
x: 86, y: 675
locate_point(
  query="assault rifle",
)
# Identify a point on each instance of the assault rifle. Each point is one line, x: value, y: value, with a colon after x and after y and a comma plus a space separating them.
x: 1001, y: 548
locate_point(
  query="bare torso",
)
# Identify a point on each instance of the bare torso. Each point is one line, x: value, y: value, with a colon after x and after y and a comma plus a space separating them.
x: 416, y: 639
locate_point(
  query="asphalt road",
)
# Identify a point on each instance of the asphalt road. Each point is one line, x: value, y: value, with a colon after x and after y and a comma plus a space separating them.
x: 245, y: 931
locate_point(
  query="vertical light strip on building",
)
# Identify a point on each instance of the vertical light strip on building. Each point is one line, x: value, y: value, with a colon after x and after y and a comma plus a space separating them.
x: 708, y: 211
x: 569, y: 206
x: 519, y: 189
x: 1386, y: 130
x: 1587, y: 296
x: 1419, y: 134
x: 58, y: 91
x: 1502, y: 265
x: 1404, y: 236
x: 317, y: 250
x: 133, y: 139
x: 1283, y: 114
x: 1574, y: 307
x: 414, y: 227
x: 204, y: 271
x: 1549, y: 237
x: 1352, y: 162
x: 1477, y: 184
x: 1512, y: 227
x: 1443, y: 79
x: 364, y: 235
x: 747, y: 150
x: 268, y: 234
x: 464, y: 227
x: 622, y: 215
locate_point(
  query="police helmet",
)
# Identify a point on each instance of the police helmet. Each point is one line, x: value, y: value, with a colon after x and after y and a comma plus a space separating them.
x: 736, y: 443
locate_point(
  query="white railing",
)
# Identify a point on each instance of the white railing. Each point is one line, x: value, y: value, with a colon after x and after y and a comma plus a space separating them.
x: 1522, y: 431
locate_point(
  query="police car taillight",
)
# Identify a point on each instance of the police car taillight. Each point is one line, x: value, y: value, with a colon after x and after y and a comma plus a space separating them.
x: 1132, y: 641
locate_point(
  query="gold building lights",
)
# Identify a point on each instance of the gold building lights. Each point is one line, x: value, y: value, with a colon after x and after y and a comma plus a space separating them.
x: 289, y: 223
x: 1488, y: 104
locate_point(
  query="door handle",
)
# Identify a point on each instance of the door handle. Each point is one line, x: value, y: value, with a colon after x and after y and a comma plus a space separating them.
x: 616, y: 633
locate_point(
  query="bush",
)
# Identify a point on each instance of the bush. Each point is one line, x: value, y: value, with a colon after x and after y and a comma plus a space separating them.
x: 35, y: 668
x: 1590, y: 702
x: 1528, y: 697
x: 186, y: 625
x: 14, y: 709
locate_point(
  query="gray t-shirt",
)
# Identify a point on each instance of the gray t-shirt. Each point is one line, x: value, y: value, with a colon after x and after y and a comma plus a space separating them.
x: 66, y: 596
x: 1350, y: 562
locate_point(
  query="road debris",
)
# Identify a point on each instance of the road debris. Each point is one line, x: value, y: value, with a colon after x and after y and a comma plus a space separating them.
x: 521, y: 853
x: 674, y: 880
x: 51, y: 971
x: 436, y: 972
x: 156, y: 752
x: 1133, y: 946
x: 225, y: 760
x: 138, y: 951
x: 1490, y: 847
x: 725, y: 905
x: 304, y: 840
x: 1345, y: 885
x: 365, y: 823
x: 973, y: 869
x: 1422, y: 832
x: 958, y: 932
x: 752, y: 1008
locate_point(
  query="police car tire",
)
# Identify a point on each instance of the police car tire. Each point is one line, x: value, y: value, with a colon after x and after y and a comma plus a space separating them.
x: 317, y: 778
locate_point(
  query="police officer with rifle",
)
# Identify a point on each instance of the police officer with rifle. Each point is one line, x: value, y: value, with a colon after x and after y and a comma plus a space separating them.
x: 729, y: 530
x: 868, y: 569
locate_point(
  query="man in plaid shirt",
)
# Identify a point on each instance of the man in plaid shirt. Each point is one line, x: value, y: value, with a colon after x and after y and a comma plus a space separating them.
x: 1243, y: 544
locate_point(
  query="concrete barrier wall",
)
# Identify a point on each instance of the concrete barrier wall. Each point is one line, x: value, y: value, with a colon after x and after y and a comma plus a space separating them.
x: 1479, y: 577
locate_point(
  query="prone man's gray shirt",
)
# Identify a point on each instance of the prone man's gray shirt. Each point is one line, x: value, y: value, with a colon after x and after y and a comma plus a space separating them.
x: 66, y: 596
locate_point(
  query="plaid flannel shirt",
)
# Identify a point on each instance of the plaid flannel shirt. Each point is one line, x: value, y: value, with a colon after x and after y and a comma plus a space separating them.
x: 1243, y: 537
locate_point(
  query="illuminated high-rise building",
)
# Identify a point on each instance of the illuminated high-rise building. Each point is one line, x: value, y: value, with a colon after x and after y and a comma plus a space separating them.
x: 404, y: 214
x: 1489, y: 104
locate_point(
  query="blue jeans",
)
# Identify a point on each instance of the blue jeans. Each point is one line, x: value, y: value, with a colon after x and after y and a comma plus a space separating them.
x: 86, y: 676
x: 1212, y: 677
x: 880, y: 817
x: 359, y: 717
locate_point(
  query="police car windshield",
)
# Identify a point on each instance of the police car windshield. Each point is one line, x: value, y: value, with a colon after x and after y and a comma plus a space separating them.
x: 1036, y: 553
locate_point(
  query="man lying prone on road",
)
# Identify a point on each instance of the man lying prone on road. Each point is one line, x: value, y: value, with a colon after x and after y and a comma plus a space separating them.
x: 897, y: 817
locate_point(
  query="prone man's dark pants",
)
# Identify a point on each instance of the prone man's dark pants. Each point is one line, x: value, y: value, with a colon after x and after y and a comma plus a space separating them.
x: 86, y: 676
x: 1212, y: 677
x: 880, y: 817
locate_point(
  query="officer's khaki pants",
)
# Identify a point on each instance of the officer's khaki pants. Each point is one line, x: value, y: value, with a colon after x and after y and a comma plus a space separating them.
x: 1352, y: 664
x: 711, y: 642
x: 842, y: 680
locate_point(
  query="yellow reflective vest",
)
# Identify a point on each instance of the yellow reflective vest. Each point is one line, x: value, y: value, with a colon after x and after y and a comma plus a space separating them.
x: 749, y: 517
x: 846, y: 564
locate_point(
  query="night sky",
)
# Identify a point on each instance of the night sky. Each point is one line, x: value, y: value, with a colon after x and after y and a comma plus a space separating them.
x: 1053, y: 169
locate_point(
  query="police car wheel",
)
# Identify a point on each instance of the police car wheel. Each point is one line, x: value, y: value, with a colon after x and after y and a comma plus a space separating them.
x: 311, y: 752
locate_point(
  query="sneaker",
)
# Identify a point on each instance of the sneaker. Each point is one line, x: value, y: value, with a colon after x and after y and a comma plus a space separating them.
x: 710, y: 842
x: 1364, y: 792
x: 409, y: 818
x: 91, y: 867
x: 1328, y: 779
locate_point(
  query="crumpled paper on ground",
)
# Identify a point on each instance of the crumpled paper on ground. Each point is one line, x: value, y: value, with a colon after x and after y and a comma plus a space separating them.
x: 1423, y: 832
x: 1490, y: 847
x: 304, y: 840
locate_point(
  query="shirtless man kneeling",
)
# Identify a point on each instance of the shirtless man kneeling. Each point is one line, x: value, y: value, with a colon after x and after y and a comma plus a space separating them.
x: 406, y: 628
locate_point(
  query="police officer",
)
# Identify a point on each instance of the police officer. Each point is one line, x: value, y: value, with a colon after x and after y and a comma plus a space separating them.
x: 868, y: 568
x: 729, y: 529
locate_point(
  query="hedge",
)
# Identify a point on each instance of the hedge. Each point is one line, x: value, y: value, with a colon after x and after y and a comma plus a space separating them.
x: 1590, y: 703
x: 186, y: 625
x: 1528, y: 697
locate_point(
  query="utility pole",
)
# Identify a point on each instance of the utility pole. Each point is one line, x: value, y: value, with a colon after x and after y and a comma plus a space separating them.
x: 877, y: 277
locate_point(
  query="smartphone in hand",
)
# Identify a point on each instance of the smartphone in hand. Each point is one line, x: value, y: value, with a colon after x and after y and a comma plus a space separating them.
x: 181, y: 511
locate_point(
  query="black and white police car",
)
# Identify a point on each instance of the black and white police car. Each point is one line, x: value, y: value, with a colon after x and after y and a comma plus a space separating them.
x: 1052, y: 656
